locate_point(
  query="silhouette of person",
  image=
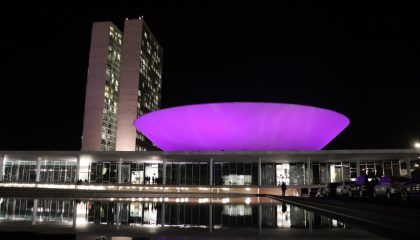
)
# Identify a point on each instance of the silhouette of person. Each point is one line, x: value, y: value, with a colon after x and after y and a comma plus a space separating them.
x: 283, y: 207
x: 283, y: 188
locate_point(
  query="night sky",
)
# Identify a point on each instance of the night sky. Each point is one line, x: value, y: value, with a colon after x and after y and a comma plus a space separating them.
x: 362, y: 63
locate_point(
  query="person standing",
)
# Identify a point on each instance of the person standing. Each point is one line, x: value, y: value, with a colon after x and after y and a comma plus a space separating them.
x: 283, y: 188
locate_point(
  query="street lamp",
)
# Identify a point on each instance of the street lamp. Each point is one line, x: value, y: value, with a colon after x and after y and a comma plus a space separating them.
x: 417, y: 145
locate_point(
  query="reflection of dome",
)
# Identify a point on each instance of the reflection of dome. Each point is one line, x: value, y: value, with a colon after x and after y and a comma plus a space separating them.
x: 241, y: 126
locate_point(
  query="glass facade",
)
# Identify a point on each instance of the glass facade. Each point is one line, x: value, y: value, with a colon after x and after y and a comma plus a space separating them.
x: 187, y: 174
x: 297, y: 173
x: 200, y: 173
x: 112, y: 78
x: 283, y: 173
x: 50, y: 171
x: 19, y: 171
x: 103, y: 172
x: 235, y: 174
x: 268, y: 171
x: 58, y: 171
x: 150, y: 82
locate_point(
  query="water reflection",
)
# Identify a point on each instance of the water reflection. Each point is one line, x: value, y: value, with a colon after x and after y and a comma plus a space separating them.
x: 188, y: 213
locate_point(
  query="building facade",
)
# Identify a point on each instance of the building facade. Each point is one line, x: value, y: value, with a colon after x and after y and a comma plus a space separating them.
x: 240, y: 171
x: 124, y: 81
x: 102, y: 88
x: 141, y: 83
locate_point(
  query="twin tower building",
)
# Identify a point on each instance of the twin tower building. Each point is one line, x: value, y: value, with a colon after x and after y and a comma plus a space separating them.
x: 124, y: 81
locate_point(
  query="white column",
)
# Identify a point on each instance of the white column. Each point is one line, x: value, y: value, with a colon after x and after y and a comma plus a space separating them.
x: 117, y: 221
x: 13, y: 207
x: 77, y: 168
x: 2, y: 159
x: 342, y: 171
x: 38, y: 169
x: 358, y: 167
x: 308, y: 173
x: 399, y: 165
x: 211, y: 217
x: 211, y: 172
x: 408, y: 168
x: 179, y: 174
x: 17, y: 172
x: 259, y: 218
x: 34, y: 209
x: 383, y: 168
x: 164, y: 172
x: 311, y: 219
x: 74, y: 213
x: 392, y: 167
x: 259, y: 172
x: 119, y: 170
x: 163, y: 215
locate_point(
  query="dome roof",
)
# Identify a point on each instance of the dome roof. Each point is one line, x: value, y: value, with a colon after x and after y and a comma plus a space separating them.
x: 241, y: 126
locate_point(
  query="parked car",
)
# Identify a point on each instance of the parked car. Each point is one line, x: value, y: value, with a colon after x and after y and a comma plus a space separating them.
x: 413, y: 188
x: 391, y: 187
x: 328, y: 191
x: 343, y: 189
x: 362, y: 187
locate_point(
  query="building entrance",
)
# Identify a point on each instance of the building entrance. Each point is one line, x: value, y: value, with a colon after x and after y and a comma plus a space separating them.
x: 151, y: 174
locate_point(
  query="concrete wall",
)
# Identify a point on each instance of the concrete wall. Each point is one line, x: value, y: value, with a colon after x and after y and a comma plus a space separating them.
x: 94, y: 100
x: 129, y: 85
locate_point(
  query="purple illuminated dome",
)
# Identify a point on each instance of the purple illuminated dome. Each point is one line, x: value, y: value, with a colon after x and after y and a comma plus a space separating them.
x: 241, y: 126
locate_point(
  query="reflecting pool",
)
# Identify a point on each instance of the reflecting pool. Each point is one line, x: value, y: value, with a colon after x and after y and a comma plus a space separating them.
x: 167, y: 218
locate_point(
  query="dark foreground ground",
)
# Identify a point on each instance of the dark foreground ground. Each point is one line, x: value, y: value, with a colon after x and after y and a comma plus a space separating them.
x: 392, y: 220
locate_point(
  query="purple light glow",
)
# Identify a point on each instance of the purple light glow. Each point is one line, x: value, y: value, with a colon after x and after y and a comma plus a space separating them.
x: 241, y: 126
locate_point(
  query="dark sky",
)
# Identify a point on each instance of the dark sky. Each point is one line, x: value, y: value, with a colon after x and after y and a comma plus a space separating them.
x: 362, y: 63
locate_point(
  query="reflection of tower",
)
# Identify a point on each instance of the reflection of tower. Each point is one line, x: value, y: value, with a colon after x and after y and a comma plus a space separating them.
x: 283, y: 216
x: 237, y: 210
x: 150, y: 213
x: 238, y: 215
x: 297, y: 217
x: 283, y: 208
x: 269, y: 215
x: 81, y: 210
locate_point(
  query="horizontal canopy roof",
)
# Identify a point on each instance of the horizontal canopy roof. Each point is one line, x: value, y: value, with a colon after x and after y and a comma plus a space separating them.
x: 245, y: 156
